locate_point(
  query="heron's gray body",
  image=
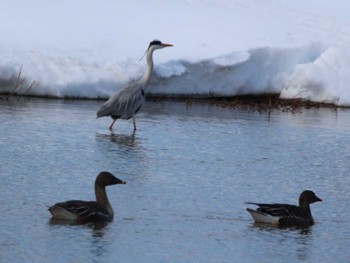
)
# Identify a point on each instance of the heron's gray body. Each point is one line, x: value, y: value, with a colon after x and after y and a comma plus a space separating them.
x: 124, y: 103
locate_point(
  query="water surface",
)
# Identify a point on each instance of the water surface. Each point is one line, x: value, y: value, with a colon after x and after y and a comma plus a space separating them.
x: 189, y: 171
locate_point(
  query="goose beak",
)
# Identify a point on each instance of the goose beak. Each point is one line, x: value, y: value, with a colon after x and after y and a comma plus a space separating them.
x: 318, y: 199
x: 122, y: 182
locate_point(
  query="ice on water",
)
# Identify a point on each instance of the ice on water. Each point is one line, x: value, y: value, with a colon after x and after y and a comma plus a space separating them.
x: 297, y: 48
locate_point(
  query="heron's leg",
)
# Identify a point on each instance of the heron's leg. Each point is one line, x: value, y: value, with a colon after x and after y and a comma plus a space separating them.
x: 110, y: 127
x: 134, y: 120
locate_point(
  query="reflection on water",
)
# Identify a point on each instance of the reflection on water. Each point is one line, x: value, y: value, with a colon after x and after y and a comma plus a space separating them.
x: 271, y: 227
x: 96, y: 243
x: 291, y: 240
x: 121, y: 149
x: 120, y: 139
x: 98, y: 229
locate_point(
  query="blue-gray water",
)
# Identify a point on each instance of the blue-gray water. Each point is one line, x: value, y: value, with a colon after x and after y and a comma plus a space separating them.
x: 189, y: 171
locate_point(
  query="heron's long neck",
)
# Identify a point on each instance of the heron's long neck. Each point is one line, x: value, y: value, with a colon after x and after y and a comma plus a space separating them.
x: 101, y: 197
x: 147, y: 76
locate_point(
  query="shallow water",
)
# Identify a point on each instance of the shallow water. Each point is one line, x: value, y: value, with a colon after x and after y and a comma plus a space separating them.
x: 189, y: 171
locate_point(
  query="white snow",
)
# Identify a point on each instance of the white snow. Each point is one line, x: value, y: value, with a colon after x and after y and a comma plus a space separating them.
x: 295, y: 48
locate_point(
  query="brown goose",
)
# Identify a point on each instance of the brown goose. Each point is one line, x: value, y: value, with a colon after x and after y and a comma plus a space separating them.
x: 88, y: 211
x: 284, y: 214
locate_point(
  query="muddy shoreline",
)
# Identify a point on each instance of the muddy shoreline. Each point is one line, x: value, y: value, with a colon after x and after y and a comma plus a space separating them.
x: 260, y: 103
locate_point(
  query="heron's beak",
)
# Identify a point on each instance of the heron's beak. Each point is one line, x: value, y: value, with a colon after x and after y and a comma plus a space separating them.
x: 166, y: 45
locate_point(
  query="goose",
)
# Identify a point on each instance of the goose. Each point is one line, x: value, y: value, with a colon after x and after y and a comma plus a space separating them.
x: 285, y: 214
x: 88, y: 211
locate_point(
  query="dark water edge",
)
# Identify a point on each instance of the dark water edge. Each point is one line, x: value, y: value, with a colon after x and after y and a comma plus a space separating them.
x: 259, y: 103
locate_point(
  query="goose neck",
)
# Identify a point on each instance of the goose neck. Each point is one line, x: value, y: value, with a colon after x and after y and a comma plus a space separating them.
x: 101, y: 197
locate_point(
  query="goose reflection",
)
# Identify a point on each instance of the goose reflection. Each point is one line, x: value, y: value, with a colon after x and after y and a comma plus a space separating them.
x: 296, y: 238
x: 98, y: 229
x: 268, y: 227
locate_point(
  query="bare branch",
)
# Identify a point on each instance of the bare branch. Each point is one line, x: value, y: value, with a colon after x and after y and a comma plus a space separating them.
x: 25, y: 93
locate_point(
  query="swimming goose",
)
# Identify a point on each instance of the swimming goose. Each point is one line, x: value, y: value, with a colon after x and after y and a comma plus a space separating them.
x: 88, y: 211
x: 284, y: 214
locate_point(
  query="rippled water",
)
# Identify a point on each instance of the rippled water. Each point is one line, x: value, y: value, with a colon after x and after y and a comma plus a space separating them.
x: 189, y: 171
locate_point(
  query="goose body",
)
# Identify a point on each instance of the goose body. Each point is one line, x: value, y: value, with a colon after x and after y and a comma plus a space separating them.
x: 286, y: 214
x: 88, y: 211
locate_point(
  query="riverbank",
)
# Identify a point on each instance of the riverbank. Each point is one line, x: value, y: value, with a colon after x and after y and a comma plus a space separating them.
x: 259, y: 103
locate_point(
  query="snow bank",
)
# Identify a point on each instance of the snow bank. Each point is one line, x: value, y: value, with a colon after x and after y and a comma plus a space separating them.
x: 324, y: 80
x: 221, y: 48
x: 257, y: 71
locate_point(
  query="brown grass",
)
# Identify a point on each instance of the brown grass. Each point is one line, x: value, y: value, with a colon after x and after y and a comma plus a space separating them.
x: 258, y: 103
x: 19, y: 91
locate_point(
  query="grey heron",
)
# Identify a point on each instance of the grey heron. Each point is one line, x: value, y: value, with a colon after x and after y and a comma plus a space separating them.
x: 127, y: 101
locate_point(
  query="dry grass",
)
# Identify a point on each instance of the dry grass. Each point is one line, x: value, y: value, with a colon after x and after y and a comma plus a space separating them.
x: 257, y: 103
x: 19, y: 90
x: 268, y: 103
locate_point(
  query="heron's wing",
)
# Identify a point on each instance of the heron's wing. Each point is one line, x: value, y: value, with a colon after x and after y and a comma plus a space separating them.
x: 88, y: 211
x: 106, y: 108
x: 124, y: 103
